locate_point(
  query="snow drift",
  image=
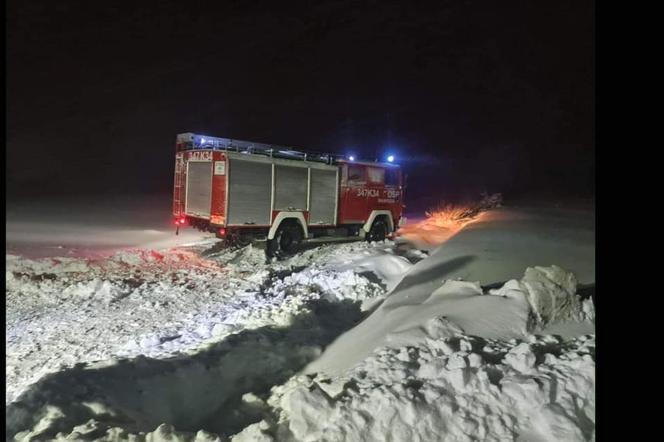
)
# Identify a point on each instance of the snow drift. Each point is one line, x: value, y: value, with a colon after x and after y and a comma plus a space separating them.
x: 441, y: 367
x: 486, y: 253
x: 425, y: 376
x: 201, y: 344
x: 451, y: 388
x: 517, y: 309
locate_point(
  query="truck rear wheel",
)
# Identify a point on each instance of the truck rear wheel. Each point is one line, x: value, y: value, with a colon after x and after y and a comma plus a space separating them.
x: 242, y: 241
x: 285, y: 242
x: 378, y: 231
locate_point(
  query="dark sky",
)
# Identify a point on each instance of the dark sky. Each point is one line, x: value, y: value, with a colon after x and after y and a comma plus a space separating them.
x: 470, y: 95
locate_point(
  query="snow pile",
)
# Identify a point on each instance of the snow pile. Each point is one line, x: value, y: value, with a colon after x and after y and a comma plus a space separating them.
x: 384, y: 264
x: 64, y: 311
x: 285, y: 297
x: 424, y: 367
x: 542, y: 297
x: 450, y: 388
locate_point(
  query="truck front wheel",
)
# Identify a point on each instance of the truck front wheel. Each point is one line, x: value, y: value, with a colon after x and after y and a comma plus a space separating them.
x: 378, y: 231
x: 285, y: 242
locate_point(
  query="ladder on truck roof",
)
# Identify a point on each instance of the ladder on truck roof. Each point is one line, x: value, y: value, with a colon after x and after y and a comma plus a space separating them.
x: 192, y: 141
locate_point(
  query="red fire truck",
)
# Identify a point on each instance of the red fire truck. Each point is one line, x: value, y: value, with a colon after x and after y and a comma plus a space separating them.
x: 245, y: 191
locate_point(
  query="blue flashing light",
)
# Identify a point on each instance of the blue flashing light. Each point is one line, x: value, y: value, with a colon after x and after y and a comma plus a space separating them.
x: 351, y: 158
x: 390, y: 158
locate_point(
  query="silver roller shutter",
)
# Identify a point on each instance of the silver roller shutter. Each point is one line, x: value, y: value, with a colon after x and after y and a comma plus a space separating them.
x: 323, y: 196
x: 290, y: 188
x: 250, y: 192
x: 199, y: 188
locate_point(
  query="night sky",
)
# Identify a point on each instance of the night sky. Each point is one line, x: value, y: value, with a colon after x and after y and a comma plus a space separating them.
x: 470, y: 95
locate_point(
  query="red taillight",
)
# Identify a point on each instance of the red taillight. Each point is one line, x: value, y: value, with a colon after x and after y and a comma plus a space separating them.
x: 222, y: 232
x: 180, y: 222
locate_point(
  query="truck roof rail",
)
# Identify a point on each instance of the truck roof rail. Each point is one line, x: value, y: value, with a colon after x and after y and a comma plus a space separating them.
x: 192, y: 141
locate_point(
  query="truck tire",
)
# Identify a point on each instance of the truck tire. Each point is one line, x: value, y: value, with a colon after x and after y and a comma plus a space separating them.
x: 242, y: 241
x: 285, y: 242
x: 378, y: 231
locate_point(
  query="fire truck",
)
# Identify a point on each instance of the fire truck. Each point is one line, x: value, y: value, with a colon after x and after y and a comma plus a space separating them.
x: 252, y: 192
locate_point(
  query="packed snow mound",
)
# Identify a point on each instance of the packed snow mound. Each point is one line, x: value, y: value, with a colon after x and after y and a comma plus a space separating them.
x: 454, y: 388
x: 545, y: 295
x: 388, y: 267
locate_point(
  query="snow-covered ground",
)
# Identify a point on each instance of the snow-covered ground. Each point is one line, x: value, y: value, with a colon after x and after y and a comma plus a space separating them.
x: 92, y: 228
x: 62, y: 311
x: 173, y: 338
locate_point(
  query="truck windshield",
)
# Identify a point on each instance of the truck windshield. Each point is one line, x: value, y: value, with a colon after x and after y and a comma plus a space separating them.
x: 391, y: 177
x: 376, y: 175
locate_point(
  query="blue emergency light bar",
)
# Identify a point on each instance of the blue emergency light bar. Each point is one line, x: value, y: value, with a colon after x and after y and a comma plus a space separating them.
x: 192, y: 141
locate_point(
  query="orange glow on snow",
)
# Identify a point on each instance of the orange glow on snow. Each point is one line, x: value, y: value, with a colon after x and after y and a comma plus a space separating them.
x: 439, y: 225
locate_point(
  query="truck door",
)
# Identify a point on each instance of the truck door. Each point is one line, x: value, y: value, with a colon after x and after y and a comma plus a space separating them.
x: 375, y: 189
x: 353, y: 194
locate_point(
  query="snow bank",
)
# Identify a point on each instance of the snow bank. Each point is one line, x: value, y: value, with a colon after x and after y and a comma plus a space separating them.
x: 518, y: 308
x: 444, y: 366
x: 447, y: 388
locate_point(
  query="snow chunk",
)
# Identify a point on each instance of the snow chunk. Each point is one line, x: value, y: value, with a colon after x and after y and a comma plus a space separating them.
x: 551, y: 293
x: 521, y: 358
